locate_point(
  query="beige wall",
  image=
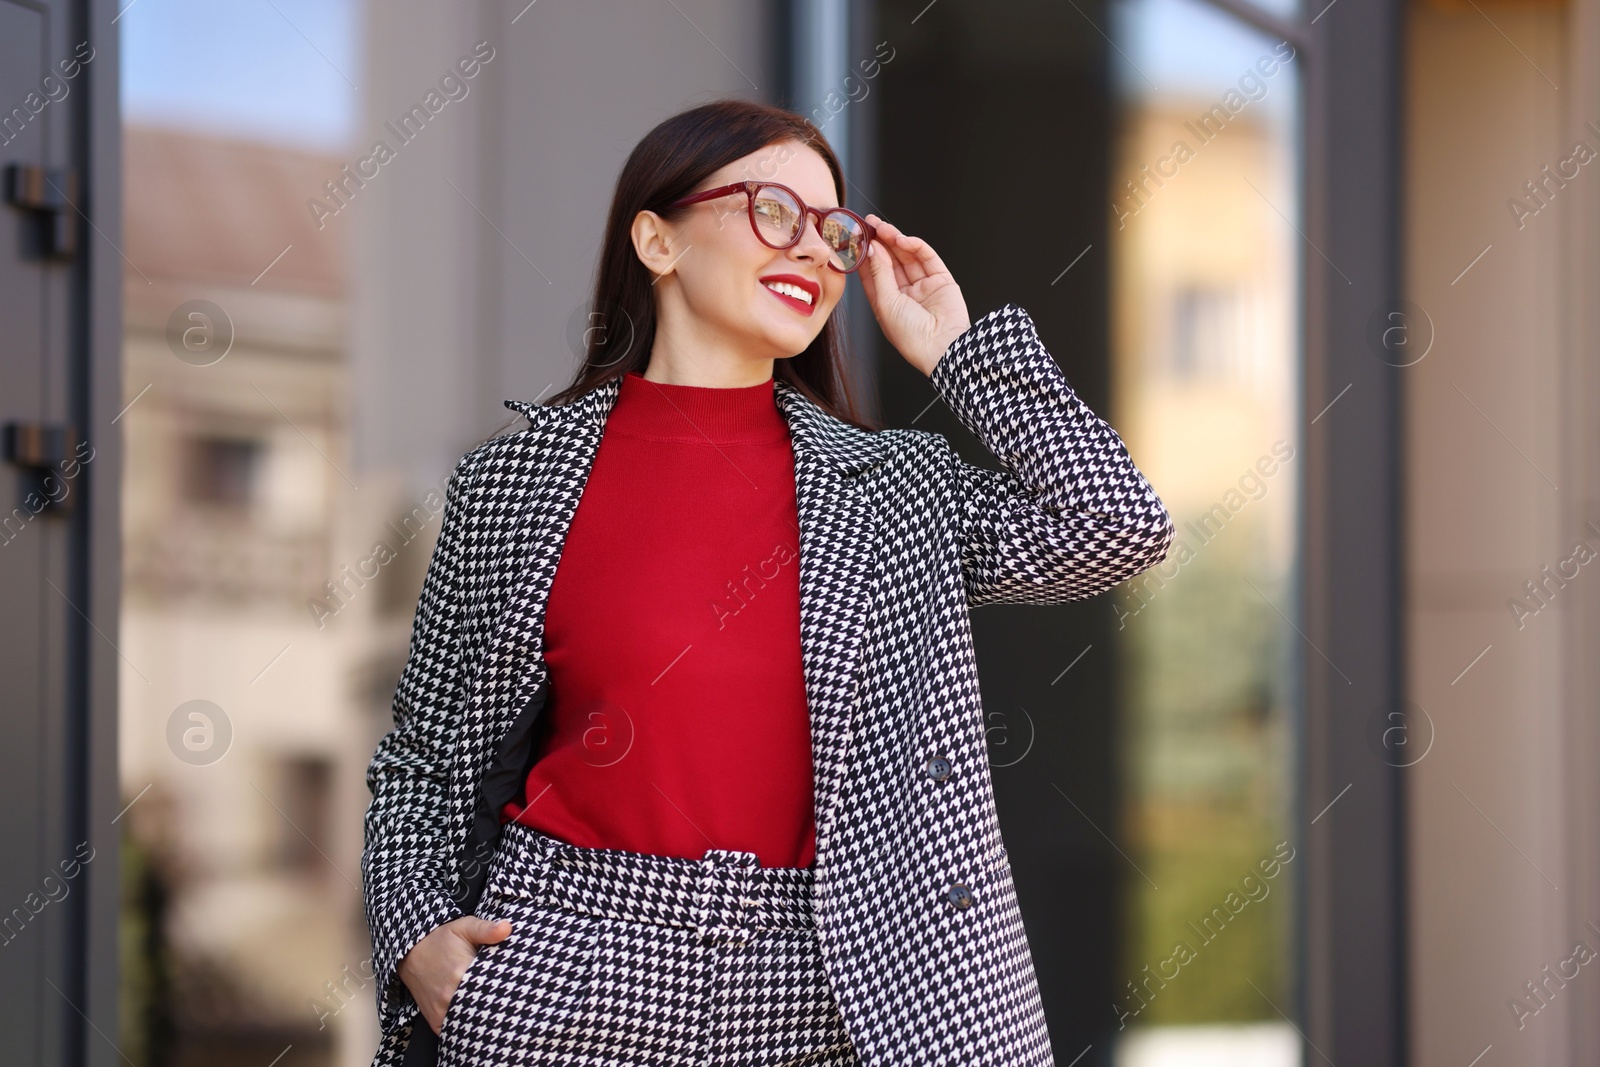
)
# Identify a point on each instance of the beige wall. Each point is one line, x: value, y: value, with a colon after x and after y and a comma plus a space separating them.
x: 1500, y: 471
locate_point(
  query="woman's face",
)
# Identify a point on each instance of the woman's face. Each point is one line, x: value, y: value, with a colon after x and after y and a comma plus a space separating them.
x: 714, y: 271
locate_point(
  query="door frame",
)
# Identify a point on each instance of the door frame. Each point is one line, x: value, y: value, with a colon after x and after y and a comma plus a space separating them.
x: 96, y: 406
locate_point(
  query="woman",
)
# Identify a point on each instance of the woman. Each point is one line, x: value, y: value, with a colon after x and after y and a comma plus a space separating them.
x: 715, y: 790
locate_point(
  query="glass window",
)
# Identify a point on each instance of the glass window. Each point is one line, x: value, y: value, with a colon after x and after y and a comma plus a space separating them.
x: 1205, y: 280
x: 247, y: 548
x: 223, y: 471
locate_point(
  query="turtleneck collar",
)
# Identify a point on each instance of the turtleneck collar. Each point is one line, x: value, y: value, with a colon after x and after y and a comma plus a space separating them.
x: 661, y: 411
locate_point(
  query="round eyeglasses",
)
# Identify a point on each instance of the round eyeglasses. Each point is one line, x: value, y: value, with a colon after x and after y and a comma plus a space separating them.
x: 777, y: 214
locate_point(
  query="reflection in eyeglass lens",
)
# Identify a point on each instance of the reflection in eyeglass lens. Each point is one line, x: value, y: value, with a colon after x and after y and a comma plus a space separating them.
x: 778, y: 213
x: 844, y: 235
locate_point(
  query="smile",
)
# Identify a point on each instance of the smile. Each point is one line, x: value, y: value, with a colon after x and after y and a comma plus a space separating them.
x: 797, y: 292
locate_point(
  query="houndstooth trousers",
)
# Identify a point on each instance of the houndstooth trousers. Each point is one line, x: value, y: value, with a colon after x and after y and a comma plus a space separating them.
x: 620, y: 958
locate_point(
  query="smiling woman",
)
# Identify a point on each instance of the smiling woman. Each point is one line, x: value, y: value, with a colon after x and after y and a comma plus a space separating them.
x: 711, y: 302
x: 603, y: 772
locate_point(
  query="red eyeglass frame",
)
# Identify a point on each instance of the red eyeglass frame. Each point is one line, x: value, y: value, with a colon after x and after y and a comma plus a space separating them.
x: 749, y: 188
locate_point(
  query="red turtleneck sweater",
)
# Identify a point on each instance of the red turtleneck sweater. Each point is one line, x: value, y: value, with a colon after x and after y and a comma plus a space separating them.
x: 677, y: 718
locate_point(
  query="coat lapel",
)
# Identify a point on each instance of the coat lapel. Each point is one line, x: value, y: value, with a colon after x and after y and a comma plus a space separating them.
x: 531, y: 511
x: 838, y: 569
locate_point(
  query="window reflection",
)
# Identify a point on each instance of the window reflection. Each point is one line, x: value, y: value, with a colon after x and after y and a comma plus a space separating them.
x: 222, y: 471
x: 1205, y: 266
x: 246, y: 625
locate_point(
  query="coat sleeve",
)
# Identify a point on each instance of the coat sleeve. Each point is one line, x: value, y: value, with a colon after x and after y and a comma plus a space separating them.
x: 1069, y: 515
x: 406, y: 859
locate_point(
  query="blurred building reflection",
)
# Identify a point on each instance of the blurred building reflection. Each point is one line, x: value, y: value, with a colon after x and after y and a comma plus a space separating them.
x: 237, y: 518
x: 1205, y: 358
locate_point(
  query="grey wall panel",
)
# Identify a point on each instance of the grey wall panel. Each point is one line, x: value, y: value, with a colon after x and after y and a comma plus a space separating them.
x: 483, y: 241
x: 1354, y: 1002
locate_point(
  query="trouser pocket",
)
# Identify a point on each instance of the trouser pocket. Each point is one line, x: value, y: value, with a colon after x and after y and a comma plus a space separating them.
x: 459, y: 997
x: 521, y: 997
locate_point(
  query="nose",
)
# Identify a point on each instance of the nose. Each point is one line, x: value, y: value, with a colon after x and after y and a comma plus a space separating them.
x: 811, y: 247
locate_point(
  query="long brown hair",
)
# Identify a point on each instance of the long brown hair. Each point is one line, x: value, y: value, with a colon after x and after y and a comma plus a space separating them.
x: 666, y: 164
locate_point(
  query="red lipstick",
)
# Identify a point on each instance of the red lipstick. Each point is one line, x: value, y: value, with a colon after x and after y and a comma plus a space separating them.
x: 811, y: 288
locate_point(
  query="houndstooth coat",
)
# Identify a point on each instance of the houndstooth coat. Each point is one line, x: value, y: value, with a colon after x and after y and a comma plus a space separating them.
x: 921, y: 935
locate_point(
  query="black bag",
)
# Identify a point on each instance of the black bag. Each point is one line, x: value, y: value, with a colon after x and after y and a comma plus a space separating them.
x: 502, y: 783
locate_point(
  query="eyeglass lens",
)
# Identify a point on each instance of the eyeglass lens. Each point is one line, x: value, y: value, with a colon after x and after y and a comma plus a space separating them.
x: 778, y: 220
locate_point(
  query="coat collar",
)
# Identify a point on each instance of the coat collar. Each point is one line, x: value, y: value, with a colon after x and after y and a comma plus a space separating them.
x: 848, y: 448
x: 839, y: 564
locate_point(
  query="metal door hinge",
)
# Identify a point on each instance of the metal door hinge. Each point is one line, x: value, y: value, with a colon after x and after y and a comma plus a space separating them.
x: 41, y: 450
x: 49, y: 194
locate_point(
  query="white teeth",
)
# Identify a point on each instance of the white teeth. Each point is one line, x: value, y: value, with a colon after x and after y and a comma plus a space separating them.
x: 789, y: 290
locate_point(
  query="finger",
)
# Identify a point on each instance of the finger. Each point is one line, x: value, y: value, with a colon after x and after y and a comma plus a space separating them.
x: 908, y: 266
x: 920, y: 258
x: 889, y: 238
x: 879, y: 281
x: 897, y: 270
x: 486, y: 931
x: 880, y: 251
x: 928, y: 259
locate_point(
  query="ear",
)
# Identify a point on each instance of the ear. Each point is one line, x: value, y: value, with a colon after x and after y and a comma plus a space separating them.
x: 653, y: 242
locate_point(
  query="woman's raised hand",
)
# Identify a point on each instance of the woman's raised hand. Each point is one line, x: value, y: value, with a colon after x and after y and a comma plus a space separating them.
x: 918, y: 305
x: 433, y: 968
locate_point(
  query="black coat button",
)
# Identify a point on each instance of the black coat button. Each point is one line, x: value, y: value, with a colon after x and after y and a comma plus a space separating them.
x: 959, y: 896
x: 938, y: 768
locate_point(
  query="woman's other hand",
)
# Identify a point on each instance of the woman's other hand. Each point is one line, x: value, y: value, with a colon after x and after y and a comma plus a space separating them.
x: 918, y: 305
x: 433, y: 968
